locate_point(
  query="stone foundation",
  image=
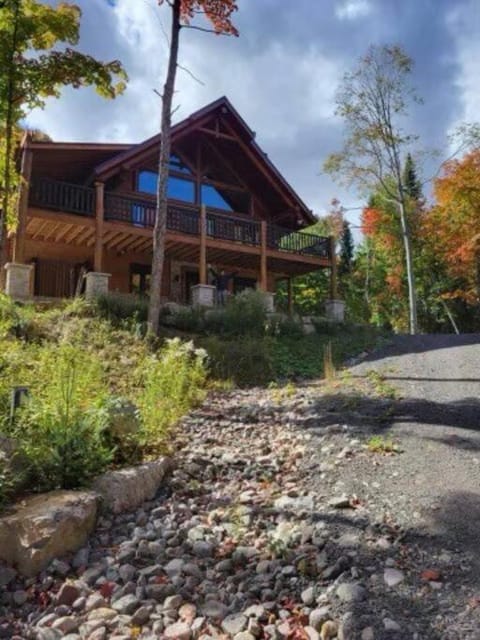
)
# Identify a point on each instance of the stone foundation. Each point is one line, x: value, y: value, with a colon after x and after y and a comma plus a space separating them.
x: 96, y: 284
x: 203, y: 295
x: 269, y: 301
x: 19, y: 279
x: 335, y: 310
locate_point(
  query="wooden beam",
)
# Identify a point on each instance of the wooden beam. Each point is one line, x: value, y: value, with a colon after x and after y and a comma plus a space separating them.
x: 333, y: 272
x: 227, y: 163
x: 22, y: 212
x: 263, y: 256
x: 202, y: 267
x: 38, y: 232
x: 117, y: 240
x: 63, y: 232
x: 73, y: 235
x: 99, y: 216
x: 57, y: 216
x: 82, y: 237
x: 218, y: 134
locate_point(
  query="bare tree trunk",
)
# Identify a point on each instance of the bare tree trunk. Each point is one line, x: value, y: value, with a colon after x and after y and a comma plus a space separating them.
x: 407, y: 243
x: 163, y: 165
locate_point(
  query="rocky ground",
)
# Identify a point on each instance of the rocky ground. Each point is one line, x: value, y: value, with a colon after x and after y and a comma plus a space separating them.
x: 280, y: 521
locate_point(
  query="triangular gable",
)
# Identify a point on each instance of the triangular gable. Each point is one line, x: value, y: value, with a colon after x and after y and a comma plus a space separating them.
x: 202, y: 117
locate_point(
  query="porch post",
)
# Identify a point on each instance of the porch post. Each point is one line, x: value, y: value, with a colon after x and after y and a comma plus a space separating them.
x: 99, y: 215
x: 202, y: 270
x: 333, y: 271
x: 263, y: 256
x: 290, y: 295
x: 25, y: 175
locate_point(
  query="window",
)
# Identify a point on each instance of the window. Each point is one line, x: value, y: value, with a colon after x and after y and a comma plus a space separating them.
x: 176, y: 164
x: 140, y: 279
x: 211, y: 197
x: 178, y: 188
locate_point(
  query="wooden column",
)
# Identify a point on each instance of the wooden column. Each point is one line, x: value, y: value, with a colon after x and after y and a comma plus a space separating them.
x: 25, y: 173
x: 202, y: 269
x: 290, y: 295
x: 333, y: 270
x: 263, y: 256
x: 99, y: 215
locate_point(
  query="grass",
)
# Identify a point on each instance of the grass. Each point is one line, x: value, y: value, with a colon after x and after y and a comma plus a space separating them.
x: 383, y: 445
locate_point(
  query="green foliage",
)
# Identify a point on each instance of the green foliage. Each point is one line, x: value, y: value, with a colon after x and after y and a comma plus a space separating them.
x: 170, y: 382
x: 118, y: 307
x: 191, y: 319
x: 284, y: 326
x: 379, y: 444
x: 60, y: 429
x: 346, y: 251
x: 309, y: 293
x: 245, y: 360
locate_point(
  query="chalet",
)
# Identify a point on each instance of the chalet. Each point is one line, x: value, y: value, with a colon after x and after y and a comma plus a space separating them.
x: 88, y: 209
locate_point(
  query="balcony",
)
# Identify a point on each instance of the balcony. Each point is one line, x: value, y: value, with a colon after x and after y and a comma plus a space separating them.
x: 182, y: 219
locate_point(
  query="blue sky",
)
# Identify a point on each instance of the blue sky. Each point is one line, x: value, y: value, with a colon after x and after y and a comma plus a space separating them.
x: 281, y: 74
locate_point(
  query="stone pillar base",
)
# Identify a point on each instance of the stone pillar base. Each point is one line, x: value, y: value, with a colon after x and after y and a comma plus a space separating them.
x: 96, y: 284
x: 18, y: 281
x: 269, y: 301
x: 203, y: 295
x: 335, y: 310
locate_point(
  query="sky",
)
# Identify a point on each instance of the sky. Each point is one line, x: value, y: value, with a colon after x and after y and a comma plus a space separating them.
x: 281, y: 74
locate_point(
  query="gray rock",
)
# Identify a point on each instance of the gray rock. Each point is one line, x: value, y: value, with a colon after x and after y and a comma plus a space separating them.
x: 308, y: 596
x: 234, y: 624
x: 80, y: 559
x: 141, y: 616
x: 368, y: 634
x: 214, y: 609
x: 351, y: 592
x: 67, y: 624
x: 20, y: 597
x: 393, y: 577
x: 318, y: 617
x: 127, y: 572
x: 244, y: 635
x: 95, y: 601
x: 7, y: 574
x: 202, y: 549
x: 67, y: 594
x: 178, y: 631
x: 126, y: 604
x: 391, y: 625
x: 340, y: 502
x: 172, y: 602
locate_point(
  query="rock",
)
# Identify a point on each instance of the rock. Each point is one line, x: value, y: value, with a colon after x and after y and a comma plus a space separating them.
x: 127, y: 572
x: 172, y: 602
x: 308, y: 596
x: 102, y: 613
x: 301, y: 503
x: 178, y: 631
x: 391, y: 625
x: 46, y: 526
x: 187, y: 612
x: 123, y: 418
x: 351, y: 592
x: 95, y: 601
x: 67, y: 594
x: 67, y: 624
x: 234, y: 624
x: 393, y: 577
x: 214, y: 609
x: 329, y: 630
x: 20, y: 597
x: 7, y: 574
x: 340, y: 502
x: 141, y: 616
x: 126, y: 604
x: 202, y: 549
x: 318, y: 617
x: 243, y: 635
x: 368, y: 634
x: 311, y: 633
x: 80, y: 559
x: 127, y: 489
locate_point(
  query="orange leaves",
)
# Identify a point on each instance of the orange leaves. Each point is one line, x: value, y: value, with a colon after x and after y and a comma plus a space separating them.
x: 370, y: 221
x: 218, y: 13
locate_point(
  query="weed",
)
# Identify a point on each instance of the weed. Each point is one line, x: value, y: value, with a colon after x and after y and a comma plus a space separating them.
x: 379, y: 444
x: 381, y: 387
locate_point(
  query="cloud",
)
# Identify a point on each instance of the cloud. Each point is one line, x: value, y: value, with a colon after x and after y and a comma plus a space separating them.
x: 353, y: 9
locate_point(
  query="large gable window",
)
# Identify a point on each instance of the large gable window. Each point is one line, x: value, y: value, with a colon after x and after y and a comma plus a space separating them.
x: 211, y: 197
x: 177, y: 189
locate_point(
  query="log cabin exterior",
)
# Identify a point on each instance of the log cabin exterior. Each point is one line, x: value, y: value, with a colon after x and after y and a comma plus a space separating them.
x: 92, y: 207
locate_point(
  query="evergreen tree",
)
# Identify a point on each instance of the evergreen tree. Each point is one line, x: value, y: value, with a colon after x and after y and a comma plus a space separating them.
x: 346, y: 249
x: 412, y: 185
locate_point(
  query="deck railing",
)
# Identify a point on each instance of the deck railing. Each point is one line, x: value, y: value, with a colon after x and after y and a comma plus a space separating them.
x: 184, y: 219
x: 62, y: 196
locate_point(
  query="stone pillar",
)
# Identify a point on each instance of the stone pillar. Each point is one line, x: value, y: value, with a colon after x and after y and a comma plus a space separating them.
x: 96, y: 284
x: 335, y: 310
x: 269, y: 301
x: 203, y: 295
x: 18, y: 281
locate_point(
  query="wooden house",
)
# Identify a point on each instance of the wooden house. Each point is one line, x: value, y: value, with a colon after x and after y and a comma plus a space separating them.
x: 90, y: 207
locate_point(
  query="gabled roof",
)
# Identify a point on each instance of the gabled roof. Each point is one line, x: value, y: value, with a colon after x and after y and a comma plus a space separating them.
x: 129, y: 157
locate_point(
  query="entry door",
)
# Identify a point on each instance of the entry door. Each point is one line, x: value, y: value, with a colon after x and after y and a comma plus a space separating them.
x: 55, y: 279
x: 190, y: 279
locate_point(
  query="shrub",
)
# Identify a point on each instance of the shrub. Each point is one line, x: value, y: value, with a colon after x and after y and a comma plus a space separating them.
x: 245, y: 361
x: 118, y: 307
x: 245, y: 314
x: 60, y: 430
x: 15, y: 318
x: 122, y: 429
x: 284, y: 326
x: 171, y: 382
x: 190, y: 319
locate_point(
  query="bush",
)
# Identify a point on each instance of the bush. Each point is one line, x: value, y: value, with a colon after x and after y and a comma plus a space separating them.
x: 15, y: 318
x: 60, y: 430
x: 191, y: 319
x: 244, y: 314
x: 283, y: 326
x: 245, y: 361
x: 118, y: 307
x: 171, y: 382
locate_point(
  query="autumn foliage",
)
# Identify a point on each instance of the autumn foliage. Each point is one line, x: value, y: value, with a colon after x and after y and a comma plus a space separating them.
x: 217, y: 12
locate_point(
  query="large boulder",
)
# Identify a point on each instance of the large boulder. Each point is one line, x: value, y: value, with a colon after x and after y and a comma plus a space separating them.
x: 46, y: 526
x: 126, y: 489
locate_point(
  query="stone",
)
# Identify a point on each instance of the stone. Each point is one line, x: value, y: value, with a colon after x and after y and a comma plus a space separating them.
x: 172, y: 602
x: 392, y: 577
x: 178, y: 631
x: 351, y: 592
x: 214, y: 609
x: 95, y: 601
x: 20, y: 597
x: 7, y: 574
x: 368, y: 634
x: 127, y: 572
x: 67, y: 624
x: 141, y: 616
x: 102, y: 613
x: 318, y: 617
x: 340, y: 502
x: 329, y: 630
x: 18, y: 282
x: 187, y: 612
x: 202, y: 549
x: 234, y: 624
x: 391, y: 625
x: 67, y: 594
x: 46, y: 526
x: 96, y: 284
x: 203, y: 295
x: 311, y: 633
x: 127, y: 489
x: 126, y: 604
x: 308, y: 596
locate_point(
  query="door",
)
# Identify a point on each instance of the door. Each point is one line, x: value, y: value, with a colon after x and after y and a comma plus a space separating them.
x: 190, y: 279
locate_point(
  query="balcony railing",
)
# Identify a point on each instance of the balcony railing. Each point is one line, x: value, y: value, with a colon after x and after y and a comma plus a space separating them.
x: 183, y: 219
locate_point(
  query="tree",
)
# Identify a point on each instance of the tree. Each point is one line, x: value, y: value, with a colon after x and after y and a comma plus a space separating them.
x: 218, y: 13
x: 373, y: 102
x: 346, y: 250
x: 413, y: 186
x: 31, y: 70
